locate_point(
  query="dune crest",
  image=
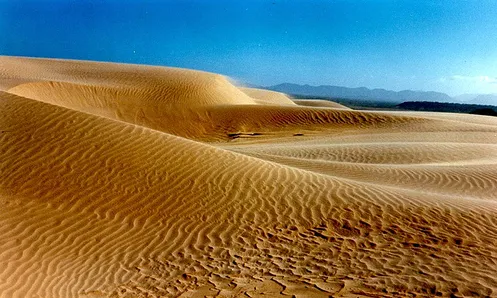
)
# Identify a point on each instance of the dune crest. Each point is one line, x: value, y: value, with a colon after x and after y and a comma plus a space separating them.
x: 132, y: 84
x: 137, y: 181
x: 320, y: 103
x: 192, y: 104
x: 267, y: 97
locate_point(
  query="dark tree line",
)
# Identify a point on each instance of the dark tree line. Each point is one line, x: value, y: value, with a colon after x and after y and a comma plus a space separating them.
x: 448, y: 107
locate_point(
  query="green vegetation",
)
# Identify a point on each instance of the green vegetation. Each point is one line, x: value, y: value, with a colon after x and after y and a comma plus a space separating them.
x: 487, y: 112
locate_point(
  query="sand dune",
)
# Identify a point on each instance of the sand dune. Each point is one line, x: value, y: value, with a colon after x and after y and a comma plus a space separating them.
x: 267, y: 97
x: 135, y: 181
x: 320, y: 103
x: 132, y: 85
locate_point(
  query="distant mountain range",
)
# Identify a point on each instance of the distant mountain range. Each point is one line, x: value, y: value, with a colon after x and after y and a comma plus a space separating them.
x: 363, y: 93
x: 485, y: 99
x: 481, y: 99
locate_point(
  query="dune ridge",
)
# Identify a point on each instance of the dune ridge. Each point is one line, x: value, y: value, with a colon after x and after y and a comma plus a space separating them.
x: 267, y: 97
x: 191, y: 104
x: 320, y: 103
x: 241, y: 198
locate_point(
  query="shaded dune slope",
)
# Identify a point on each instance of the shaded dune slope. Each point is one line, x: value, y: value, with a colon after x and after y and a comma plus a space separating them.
x: 96, y: 202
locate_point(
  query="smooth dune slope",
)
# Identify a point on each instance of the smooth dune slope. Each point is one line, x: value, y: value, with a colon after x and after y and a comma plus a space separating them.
x: 130, y: 84
x: 217, y: 193
x: 320, y: 103
x: 267, y: 97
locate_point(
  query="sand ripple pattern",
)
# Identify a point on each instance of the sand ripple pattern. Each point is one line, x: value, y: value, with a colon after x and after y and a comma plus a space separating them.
x: 114, y: 185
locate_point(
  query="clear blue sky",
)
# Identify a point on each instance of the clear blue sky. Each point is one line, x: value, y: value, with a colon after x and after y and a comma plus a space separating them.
x: 448, y: 46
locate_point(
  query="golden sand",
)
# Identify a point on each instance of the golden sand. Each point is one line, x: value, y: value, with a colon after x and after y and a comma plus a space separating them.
x: 320, y: 103
x: 138, y: 181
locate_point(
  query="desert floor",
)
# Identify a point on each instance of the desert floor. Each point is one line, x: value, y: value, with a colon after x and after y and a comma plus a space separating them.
x: 123, y: 180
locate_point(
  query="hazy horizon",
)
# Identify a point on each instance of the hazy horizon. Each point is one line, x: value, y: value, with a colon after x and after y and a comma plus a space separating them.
x: 445, y: 47
x: 368, y: 87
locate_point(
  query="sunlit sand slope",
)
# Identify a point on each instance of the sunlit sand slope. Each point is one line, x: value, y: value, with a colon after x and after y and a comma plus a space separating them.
x: 267, y: 97
x: 320, y: 103
x: 102, y: 84
x: 288, y: 201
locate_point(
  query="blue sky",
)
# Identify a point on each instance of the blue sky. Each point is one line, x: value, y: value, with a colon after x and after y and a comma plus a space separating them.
x: 440, y: 45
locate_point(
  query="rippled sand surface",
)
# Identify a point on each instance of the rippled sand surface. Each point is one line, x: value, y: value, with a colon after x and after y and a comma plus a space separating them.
x: 138, y: 181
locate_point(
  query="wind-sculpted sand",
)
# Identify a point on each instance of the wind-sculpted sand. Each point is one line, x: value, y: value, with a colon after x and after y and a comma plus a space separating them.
x: 138, y: 181
x: 320, y: 103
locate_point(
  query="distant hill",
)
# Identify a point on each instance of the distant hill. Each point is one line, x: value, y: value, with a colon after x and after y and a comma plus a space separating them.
x: 485, y: 99
x: 464, y: 97
x: 361, y: 93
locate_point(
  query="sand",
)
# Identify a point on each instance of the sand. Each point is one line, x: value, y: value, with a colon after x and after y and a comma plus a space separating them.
x: 138, y: 181
x: 320, y: 103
